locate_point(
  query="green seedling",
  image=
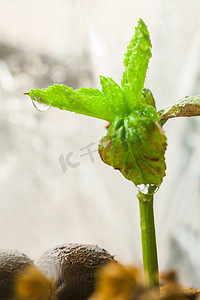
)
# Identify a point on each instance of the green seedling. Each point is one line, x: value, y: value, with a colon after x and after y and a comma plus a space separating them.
x: 135, y: 143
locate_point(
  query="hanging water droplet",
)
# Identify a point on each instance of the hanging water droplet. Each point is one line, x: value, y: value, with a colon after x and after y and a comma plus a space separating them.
x: 40, y: 106
x: 147, y: 189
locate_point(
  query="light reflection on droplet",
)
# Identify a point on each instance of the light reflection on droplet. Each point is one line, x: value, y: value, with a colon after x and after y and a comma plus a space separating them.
x: 40, y: 106
x: 147, y: 189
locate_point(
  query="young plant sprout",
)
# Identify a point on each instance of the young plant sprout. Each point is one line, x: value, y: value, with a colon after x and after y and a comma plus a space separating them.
x: 135, y: 143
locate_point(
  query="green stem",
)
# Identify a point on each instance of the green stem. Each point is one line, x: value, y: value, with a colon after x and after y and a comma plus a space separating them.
x: 149, y: 248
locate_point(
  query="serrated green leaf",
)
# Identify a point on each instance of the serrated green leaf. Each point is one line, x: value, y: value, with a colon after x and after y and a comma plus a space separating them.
x: 136, y: 64
x: 187, y: 107
x: 114, y: 94
x: 90, y: 102
x: 112, y: 101
x: 135, y: 146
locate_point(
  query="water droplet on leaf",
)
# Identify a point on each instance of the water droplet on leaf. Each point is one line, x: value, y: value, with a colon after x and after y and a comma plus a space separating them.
x: 40, y: 106
x: 147, y: 189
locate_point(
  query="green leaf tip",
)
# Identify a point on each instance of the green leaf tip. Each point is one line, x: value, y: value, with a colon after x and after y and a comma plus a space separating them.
x: 136, y: 63
x: 147, y: 98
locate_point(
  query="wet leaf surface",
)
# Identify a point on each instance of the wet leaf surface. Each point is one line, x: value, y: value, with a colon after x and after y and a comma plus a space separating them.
x: 136, y: 146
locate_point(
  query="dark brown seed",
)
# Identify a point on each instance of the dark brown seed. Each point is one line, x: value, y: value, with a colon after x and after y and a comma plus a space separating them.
x: 12, y: 263
x: 73, y: 267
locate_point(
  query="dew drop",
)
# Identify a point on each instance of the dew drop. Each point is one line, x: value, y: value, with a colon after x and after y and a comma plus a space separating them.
x: 147, y: 189
x: 40, y: 106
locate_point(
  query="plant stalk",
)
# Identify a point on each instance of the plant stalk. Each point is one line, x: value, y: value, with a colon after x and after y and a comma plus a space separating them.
x: 149, y: 247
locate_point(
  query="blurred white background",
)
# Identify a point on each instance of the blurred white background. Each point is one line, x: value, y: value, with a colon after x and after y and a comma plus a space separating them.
x: 72, y: 42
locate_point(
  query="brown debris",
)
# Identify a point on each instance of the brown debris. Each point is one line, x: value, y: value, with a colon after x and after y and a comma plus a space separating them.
x: 32, y: 284
x: 118, y: 282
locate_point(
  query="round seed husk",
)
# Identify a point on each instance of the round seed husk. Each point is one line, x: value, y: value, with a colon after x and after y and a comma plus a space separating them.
x: 12, y: 264
x: 73, y: 268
